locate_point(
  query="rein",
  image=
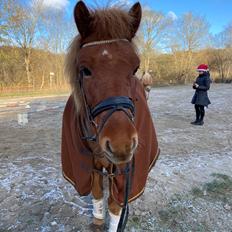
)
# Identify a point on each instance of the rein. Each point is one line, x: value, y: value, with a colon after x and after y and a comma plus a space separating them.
x: 125, y: 209
x: 110, y: 106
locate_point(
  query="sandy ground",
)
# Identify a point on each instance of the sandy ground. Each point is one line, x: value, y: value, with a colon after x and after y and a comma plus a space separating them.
x: 35, y: 197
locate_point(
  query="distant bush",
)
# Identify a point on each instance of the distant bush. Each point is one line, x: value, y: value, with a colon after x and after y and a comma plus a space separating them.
x: 226, y: 81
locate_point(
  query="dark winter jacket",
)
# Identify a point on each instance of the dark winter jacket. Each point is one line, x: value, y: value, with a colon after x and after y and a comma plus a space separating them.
x: 201, y: 97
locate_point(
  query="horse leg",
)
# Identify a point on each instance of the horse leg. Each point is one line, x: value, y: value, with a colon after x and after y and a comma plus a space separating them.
x: 115, y: 213
x: 97, y: 192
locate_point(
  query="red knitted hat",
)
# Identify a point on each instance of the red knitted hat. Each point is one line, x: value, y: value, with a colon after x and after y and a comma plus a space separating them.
x: 202, y: 68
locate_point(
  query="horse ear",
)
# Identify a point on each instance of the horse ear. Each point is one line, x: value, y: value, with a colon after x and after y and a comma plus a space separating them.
x: 136, y: 13
x: 82, y: 18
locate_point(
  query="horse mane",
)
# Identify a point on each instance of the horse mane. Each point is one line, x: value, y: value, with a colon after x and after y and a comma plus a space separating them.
x: 72, y: 71
x: 108, y: 23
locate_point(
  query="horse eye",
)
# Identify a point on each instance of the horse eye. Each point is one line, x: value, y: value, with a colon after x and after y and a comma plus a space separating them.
x: 135, y: 71
x: 86, y: 72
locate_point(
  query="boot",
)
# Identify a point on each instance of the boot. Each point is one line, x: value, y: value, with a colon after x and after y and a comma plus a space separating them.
x: 197, y: 115
x: 200, y: 122
x: 202, y: 115
x: 195, y: 122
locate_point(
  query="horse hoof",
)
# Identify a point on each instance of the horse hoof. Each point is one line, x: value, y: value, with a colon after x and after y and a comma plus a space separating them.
x: 97, y: 228
x: 98, y: 222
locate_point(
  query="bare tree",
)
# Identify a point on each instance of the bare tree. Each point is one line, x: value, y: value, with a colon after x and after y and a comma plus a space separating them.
x: 152, y: 30
x: 59, y: 31
x: 3, y: 21
x: 188, y: 34
x: 221, y: 56
x: 23, y: 25
x: 228, y: 35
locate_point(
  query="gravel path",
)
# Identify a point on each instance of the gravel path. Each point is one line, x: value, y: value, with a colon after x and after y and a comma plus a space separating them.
x: 35, y: 197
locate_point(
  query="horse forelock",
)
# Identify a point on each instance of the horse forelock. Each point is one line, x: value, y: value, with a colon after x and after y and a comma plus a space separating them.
x: 111, y: 23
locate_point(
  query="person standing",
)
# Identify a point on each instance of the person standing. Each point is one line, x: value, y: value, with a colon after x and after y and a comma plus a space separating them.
x: 200, y: 98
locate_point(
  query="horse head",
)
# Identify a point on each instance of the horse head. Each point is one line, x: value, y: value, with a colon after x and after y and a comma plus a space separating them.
x: 105, y: 62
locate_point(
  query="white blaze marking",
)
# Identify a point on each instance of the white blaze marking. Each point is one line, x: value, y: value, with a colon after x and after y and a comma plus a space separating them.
x: 105, y: 53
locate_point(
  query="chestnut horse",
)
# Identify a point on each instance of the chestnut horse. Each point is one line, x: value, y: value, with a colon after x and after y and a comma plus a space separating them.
x: 107, y: 127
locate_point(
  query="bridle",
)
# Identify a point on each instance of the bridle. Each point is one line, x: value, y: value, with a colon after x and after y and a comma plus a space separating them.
x: 109, y: 106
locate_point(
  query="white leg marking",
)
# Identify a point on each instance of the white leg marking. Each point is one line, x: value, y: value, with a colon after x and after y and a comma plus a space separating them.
x: 114, y: 220
x: 98, y: 208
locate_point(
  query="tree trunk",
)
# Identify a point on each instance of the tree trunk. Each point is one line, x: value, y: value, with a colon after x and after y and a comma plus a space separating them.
x: 42, y: 82
x: 27, y: 67
x: 147, y: 64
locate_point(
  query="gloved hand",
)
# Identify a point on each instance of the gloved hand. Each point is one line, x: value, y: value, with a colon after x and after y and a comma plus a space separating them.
x: 195, y: 85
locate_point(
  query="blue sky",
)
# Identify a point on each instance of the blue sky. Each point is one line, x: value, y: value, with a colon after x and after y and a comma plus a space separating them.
x: 217, y: 12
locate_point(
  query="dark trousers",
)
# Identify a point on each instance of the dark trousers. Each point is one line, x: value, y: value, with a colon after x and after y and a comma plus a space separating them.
x: 200, y: 112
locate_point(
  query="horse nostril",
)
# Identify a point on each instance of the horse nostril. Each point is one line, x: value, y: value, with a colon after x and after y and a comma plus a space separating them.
x: 134, y: 144
x: 108, y: 146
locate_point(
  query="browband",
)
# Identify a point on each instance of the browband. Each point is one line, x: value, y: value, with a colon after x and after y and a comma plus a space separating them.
x: 103, y: 42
